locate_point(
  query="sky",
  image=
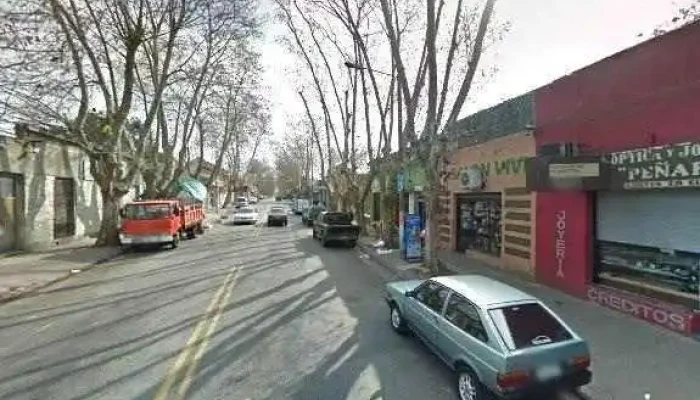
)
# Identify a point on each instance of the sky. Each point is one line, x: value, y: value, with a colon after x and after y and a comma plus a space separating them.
x: 548, y: 39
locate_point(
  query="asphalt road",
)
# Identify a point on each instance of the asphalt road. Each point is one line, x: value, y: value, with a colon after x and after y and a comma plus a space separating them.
x: 241, y: 313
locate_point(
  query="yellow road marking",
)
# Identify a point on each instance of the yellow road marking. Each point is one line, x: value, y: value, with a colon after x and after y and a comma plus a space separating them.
x: 194, y: 363
x: 194, y: 340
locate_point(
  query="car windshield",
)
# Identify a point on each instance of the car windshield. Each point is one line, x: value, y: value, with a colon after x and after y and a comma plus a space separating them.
x: 528, y: 325
x: 146, y: 211
x: 277, y: 210
x: 245, y: 210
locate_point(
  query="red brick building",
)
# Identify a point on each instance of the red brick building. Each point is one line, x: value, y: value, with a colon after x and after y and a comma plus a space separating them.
x: 617, y: 178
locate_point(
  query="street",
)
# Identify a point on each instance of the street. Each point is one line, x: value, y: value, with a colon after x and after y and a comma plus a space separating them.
x: 244, y: 312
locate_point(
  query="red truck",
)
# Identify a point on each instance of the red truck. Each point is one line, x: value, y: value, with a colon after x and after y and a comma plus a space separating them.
x: 159, y: 222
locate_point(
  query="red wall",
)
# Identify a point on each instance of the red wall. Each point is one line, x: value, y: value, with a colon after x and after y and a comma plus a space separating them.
x: 644, y: 96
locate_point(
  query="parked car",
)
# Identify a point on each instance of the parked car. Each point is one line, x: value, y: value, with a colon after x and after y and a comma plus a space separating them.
x: 245, y: 215
x: 299, y: 205
x: 497, y: 338
x: 240, y: 201
x: 334, y: 226
x: 277, y: 216
x: 310, y: 215
x: 159, y: 222
x: 253, y: 200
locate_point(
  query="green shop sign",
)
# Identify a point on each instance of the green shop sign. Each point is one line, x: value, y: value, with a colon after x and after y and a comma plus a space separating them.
x: 507, y: 166
x: 415, y: 179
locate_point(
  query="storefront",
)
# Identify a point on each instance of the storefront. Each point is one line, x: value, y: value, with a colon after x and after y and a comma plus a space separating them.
x: 636, y: 219
x: 489, y: 205
x: 618, y: 183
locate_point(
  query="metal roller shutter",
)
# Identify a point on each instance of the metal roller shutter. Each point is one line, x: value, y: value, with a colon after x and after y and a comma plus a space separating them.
x: 664, y: 219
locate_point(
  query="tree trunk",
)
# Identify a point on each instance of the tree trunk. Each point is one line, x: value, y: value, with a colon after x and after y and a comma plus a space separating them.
x: 109, y: 228
x: 433, y: 197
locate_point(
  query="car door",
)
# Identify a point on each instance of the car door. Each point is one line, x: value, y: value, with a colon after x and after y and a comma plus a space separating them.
x: 462, y: 335
x: 425, y: 309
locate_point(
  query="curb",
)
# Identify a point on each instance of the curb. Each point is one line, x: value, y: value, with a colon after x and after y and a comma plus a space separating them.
x: 401, y: 274
x: 27, y: 290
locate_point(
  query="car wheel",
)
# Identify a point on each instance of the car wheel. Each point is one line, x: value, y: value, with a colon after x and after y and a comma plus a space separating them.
x: 175, y: 242
x: 352, y: 243
x: 324, y: 242
x: 468, y: 385
x: 397, y: 322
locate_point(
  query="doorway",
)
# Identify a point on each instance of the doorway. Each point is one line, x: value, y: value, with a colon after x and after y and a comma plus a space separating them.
x: 63, y: 208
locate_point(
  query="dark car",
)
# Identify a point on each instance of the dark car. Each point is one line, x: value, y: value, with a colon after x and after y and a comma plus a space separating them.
x: 277, y: 217
x: 336, y: 227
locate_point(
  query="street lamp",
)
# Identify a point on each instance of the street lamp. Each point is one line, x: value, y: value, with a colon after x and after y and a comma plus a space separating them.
x: 352, y: 65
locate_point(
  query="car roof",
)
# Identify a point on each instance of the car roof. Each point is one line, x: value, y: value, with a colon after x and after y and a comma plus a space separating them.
x: 483, y: 291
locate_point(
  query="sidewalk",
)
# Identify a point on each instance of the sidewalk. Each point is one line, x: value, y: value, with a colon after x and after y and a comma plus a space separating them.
x: 21, y: 273
x: 630, y: 357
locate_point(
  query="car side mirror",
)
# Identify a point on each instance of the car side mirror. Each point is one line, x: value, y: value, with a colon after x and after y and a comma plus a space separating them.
x: 122, y: 213
x: 410, y: 293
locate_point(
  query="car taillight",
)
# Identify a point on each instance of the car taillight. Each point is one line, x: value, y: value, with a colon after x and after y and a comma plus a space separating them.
x: 581, y: 362
x: 513, y: 380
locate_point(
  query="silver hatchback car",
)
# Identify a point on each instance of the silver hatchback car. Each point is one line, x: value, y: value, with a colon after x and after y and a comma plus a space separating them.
x: 497, y: 338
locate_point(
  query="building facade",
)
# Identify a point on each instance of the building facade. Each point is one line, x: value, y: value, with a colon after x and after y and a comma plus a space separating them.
x: 489, y: 209
x: 618, y: 181
x: 47, y: 196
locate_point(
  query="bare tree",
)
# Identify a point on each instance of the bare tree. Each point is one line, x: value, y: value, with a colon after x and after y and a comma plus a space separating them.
x: 428, y: 147
x: 74, y: 70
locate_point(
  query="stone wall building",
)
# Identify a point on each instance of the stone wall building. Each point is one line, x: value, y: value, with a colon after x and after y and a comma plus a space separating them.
x: 47, y: 195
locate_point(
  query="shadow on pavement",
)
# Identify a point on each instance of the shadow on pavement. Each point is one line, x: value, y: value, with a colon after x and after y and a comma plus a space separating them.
x: 142, y: 302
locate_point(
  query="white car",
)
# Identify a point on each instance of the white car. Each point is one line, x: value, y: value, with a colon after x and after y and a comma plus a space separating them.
x: 245, y: 215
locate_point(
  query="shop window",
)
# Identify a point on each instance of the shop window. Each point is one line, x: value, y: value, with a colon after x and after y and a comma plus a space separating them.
x: 479, y: 223
x: 664, y: 269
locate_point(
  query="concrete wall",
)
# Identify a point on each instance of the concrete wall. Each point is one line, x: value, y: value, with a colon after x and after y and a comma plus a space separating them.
x: 38, y: 172
x: 503, y: 162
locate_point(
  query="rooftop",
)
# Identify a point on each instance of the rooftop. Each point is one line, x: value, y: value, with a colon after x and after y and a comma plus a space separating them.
x: 483, y: 291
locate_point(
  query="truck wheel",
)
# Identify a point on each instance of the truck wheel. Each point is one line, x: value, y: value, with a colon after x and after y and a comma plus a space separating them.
x: 191, y: 234
x: 200, y: 229
x: 176, y: 241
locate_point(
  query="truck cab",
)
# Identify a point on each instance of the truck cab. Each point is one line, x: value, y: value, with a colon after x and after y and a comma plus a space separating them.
x: 158, y: 222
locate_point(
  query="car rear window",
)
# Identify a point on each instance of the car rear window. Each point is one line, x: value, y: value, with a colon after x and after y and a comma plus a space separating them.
x: 245, y: 210
x: 277, y: 210
x: 338, y: 219
x: 528, y: 325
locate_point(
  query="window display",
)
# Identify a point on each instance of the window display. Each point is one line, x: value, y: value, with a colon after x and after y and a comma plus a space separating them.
x: 479, y: 220
x: 667, y: 269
